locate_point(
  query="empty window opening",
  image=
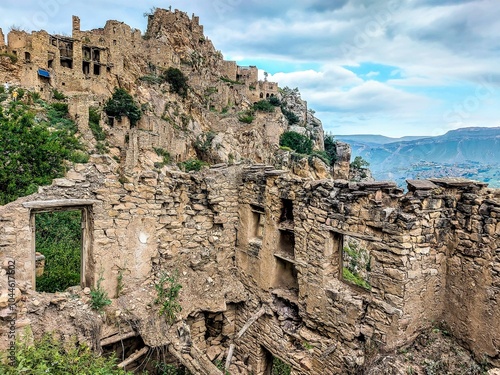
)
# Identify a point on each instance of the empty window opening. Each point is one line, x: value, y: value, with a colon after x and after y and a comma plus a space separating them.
x: 258, y: 222
x: 86, y: 53
x: 58, y: 250
x: 96, y: 55
x: 356, y: 262
x: 114, y: 42
x: 286, y: 244
x: 27, y: 57
x: 50, y: 59
x: 286, y: 211
x: 66, y: 63
x: 267, y: 95
x: 97, y: 69
x: 261, y: 95
x: 86, y: 67
x: 285, y: 276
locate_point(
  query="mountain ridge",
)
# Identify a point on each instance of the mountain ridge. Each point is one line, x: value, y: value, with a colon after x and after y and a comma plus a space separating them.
x: 472, y: 153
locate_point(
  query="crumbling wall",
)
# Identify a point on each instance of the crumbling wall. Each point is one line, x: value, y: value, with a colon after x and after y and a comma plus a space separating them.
x: 412, y: 285
x: 433, y: 258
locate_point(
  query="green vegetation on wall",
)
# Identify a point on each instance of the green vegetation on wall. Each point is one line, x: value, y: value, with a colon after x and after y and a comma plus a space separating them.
x: 37, y: 147
x: 94, y: 124
x: 51, y: 356
x: 167, y: 291
x: 280, y: 367
x: 122, y: 104
x: 58, y: 236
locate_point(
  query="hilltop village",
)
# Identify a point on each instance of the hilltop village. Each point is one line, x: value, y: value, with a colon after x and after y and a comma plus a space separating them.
x: 272, y: 256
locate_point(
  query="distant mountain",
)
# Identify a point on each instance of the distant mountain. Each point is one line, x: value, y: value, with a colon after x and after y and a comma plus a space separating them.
x: 469, y: 152
x: 375, y: 139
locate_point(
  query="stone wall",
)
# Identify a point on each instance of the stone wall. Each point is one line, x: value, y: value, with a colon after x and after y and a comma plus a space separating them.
x: 324, y: 322
x: 243, y: 240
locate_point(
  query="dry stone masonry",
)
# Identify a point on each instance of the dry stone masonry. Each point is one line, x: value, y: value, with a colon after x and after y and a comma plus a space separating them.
x: 296, y: 263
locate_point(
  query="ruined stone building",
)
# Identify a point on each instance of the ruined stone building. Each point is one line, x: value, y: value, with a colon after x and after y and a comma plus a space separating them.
x: 262, y: 251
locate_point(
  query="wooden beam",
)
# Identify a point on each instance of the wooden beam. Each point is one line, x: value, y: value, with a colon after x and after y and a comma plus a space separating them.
x: 116, y: 338
x: 59, y: 203
x: 134, y: 357
x: 241, y: 332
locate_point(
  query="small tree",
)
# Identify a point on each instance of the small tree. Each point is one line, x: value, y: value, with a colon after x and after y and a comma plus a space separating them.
x: 122, y: 104
x: 359, y: 163
x: 296, y: 141
x: 177, y: 81
x: 330, y: 148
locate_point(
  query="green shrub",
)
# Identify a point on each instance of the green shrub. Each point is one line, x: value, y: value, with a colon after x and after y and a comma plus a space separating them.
x: 99, y: 297
x: 94, y: 124
x: 274, y: 101
x: 122, y: 104
x: 192, y: 165
x: 35, y: 96
x: 165, y: 155
x: 36, y: 150
x: 263, y: 106
x: 291, y: 117
x: 177, y: 81
x: 151, y: 79
x: 227, y: 80
x: 203, y: 143
x: 246, y: 117
x: 51, y: 356
x: 296, y: 141
x: 167, y: 290
x: 323, y: 156
x: 58, y: 238
x: 13, y: 58
x: 79, y: 157
x: 280, y: 367
x: 20, y: 93
x: 57, y: 95
x: 355, y: 279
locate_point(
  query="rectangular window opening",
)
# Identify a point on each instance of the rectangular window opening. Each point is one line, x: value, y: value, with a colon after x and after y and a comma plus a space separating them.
x: 86, y: 67
x: 285, y: 276
x: 258, y: 222
x: 286, y: 244
x: 58, y: 250
x: 356, y: 261
x: 286, y: 210
x: 97, y: 69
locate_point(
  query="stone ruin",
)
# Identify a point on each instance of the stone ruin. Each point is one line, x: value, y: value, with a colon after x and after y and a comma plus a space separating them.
x: 316, y: 272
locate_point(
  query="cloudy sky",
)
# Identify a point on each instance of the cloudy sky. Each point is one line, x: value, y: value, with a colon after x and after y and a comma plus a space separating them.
x: 406, y: 67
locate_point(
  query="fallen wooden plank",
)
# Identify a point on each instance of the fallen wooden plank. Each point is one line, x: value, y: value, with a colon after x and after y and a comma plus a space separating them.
x: 134, y: 357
